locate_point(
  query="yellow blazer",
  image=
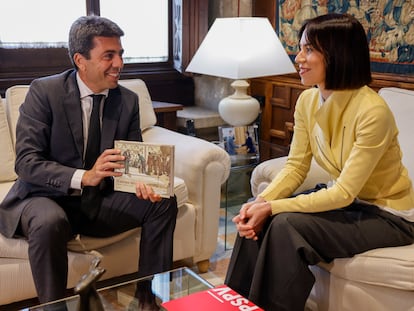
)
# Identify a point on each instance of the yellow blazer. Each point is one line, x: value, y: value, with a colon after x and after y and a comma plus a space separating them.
x: 353, y: 136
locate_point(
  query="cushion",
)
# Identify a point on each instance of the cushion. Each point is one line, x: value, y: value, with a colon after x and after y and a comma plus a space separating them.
x: 13, y: 248
x: 17, y: 248
x: 85, y: 243
x: 401, y: 102
x: 15, y: 96
x: 146, y: 111
x: 389, y: 267
x: 5, y: 187
x: 180, y: 191
x: 7, y: 154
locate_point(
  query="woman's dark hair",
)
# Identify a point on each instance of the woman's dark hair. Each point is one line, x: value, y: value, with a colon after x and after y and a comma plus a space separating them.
x: 342, y: 41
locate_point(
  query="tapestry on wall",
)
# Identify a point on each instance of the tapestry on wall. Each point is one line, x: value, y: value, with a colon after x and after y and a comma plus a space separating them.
x: 389, y: 25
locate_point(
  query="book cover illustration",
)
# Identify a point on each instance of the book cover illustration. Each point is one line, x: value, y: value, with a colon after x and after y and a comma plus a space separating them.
x: 152, y: 164
x: 220, y: 298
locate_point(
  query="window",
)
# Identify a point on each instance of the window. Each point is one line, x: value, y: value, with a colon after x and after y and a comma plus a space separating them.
x: 25, y: 57
x: 145, y: 23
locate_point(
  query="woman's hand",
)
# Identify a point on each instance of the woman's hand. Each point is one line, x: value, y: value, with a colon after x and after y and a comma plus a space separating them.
x: 252, y: 217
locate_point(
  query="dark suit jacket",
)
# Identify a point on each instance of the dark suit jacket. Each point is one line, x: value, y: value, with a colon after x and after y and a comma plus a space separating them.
x: 49, y: 139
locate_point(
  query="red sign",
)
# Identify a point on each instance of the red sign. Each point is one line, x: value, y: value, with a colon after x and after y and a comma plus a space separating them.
x: 221, y: 298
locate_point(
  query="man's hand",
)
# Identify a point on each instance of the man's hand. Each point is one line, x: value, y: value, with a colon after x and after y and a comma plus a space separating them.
x: 251, y: 218
x: 146, y: 192
x: 105, y: 165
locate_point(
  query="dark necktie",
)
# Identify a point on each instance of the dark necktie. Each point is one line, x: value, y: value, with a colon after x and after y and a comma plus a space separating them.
x: 94, y: 134
x: 91, y: 196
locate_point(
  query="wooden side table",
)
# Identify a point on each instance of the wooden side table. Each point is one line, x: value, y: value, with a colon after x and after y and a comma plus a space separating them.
x: 166, y: 114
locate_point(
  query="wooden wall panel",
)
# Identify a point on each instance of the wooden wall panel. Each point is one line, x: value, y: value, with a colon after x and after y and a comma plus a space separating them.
x: 281, y: 94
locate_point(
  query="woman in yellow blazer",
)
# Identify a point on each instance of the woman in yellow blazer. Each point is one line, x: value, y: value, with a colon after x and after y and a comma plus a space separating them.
x: 351, y: 133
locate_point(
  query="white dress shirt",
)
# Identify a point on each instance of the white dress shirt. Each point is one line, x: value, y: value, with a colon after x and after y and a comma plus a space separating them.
x: 86, y: 104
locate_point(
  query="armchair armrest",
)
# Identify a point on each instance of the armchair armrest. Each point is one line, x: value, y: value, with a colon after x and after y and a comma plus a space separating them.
x: 264, y: 173
x: 204, y: 167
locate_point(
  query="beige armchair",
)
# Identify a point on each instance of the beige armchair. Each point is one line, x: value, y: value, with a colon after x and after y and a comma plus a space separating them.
x: 197, y: 185
x: 379, y: 279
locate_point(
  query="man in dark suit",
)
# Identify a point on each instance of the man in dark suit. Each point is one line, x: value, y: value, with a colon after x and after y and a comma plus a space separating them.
x: 47, y: 204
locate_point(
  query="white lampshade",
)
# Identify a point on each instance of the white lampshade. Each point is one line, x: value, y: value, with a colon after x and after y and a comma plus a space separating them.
x: 241, y: 48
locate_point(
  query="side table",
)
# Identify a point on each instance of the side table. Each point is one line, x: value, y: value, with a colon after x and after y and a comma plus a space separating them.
x: 166, y: 114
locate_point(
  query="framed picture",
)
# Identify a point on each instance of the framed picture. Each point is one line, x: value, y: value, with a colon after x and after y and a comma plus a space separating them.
x: 240, y: 140
x: 389, y: 26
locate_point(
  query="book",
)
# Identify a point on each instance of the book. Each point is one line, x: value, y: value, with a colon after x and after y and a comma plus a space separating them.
x: 149, y: 163
x: 220, y: 298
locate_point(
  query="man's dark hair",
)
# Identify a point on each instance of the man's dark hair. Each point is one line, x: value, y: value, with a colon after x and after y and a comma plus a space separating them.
x: 85, y: 29
x: 343, y: 42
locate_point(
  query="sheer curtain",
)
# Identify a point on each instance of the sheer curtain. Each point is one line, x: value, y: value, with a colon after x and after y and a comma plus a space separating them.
x: 46, y: 23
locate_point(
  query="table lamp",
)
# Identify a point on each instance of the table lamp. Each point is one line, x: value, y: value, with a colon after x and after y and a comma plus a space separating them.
x: 240, y: 48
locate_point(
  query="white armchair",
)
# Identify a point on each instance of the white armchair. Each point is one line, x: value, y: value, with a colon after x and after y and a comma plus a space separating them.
x: 200, y: 169
x: 379, y: 279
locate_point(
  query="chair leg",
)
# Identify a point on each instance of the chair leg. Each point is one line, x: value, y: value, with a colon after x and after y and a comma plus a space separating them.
x: 203, y: 266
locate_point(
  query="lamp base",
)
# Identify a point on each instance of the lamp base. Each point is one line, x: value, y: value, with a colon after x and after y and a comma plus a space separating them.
x: 239, y: 108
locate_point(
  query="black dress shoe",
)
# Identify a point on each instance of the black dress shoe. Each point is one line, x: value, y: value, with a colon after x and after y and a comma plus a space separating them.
x: 145, y: 299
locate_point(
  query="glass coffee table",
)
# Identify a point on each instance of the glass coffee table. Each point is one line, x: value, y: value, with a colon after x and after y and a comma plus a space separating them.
x: 236, y: 190
x: 166, y: 286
